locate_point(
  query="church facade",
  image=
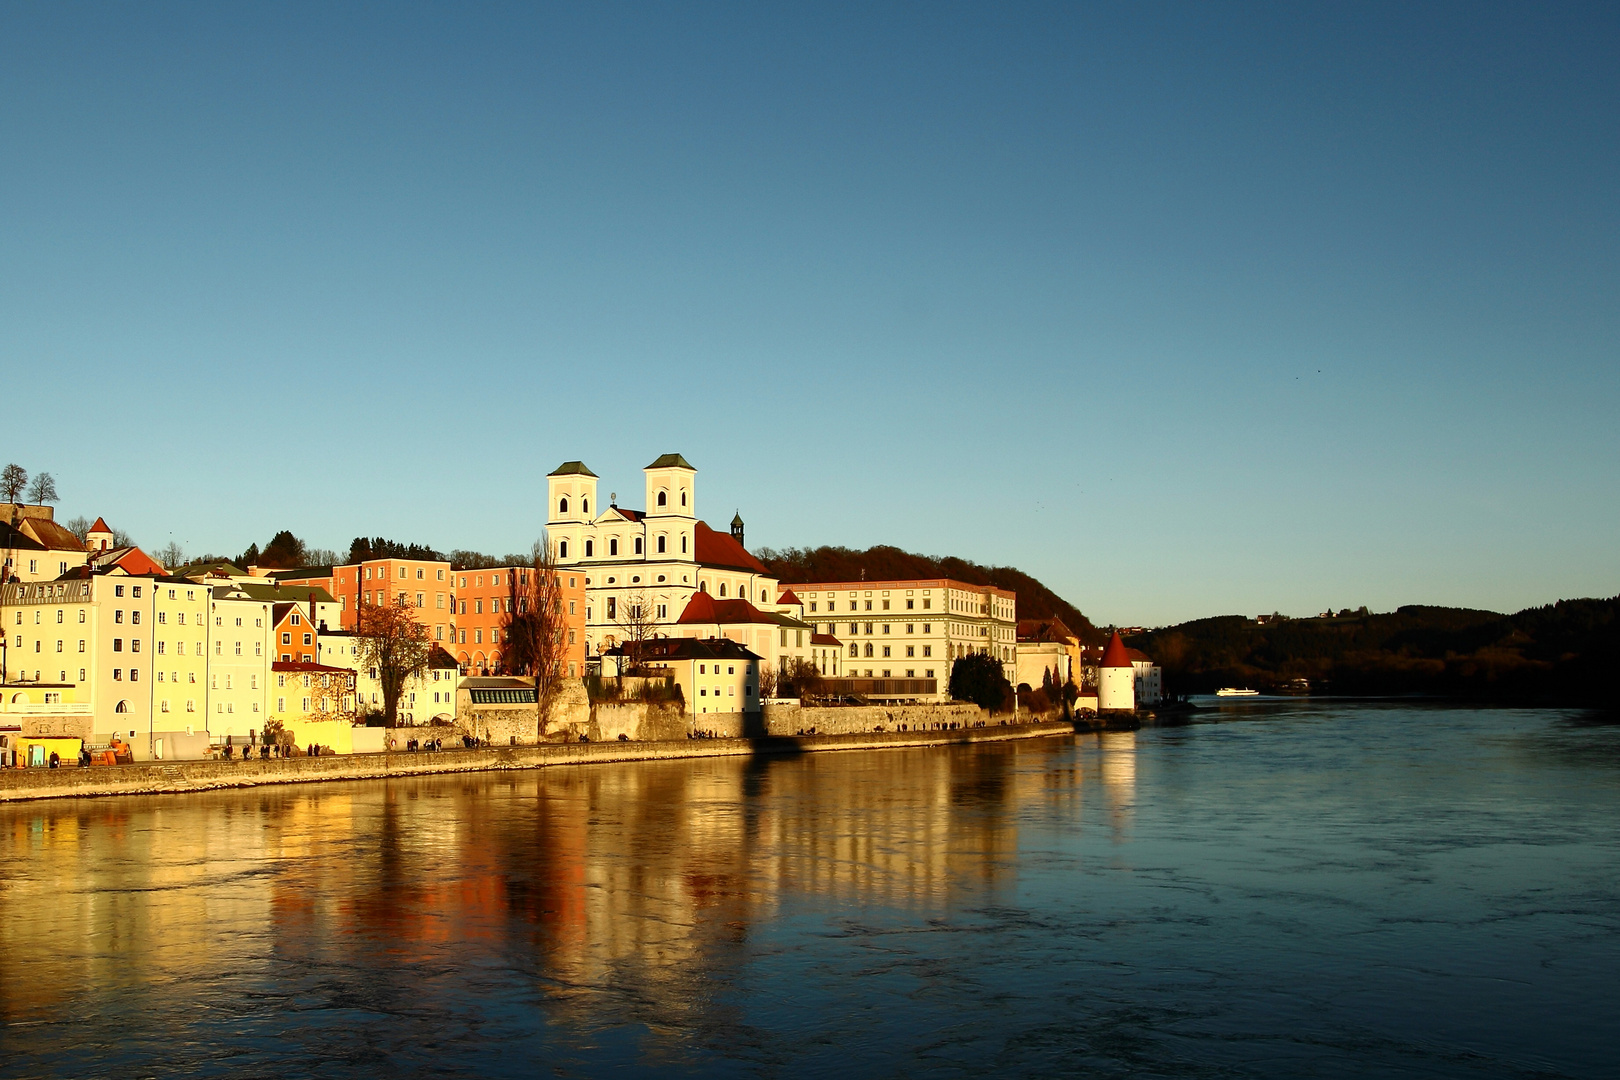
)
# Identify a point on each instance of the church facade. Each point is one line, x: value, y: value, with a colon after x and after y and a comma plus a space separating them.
x: 642, y: 567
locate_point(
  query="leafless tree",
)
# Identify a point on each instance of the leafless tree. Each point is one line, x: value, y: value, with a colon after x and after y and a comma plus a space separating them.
x: 171, y: 555
x: 800, y: 679
x: 536, y: 630
x: 390, y: 640
x: 633, y: 614
x: 43, y: 489
x: 13, y: 482
x: 767, y: 682
x: 78, y: 526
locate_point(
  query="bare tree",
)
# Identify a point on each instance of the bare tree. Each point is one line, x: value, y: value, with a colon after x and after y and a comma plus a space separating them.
x: 78, y: 526
x: 390, y: 641
x: 171, y: 555
x: 536, y: 630
x: 43, y: 489
x: 800, y: 679
x: 633, y: 614
x: 13, y: 482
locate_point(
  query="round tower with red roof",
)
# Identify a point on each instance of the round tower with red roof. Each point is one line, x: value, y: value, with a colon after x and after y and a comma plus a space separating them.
x: 1116, y: 678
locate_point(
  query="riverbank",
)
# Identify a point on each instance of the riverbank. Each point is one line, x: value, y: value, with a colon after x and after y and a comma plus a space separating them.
x: 186, y: 776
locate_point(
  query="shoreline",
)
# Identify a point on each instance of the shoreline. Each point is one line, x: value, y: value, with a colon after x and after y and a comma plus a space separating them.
x: 181, y: 777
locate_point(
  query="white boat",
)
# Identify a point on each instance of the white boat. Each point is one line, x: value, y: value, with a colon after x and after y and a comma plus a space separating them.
x: 1232, y: 691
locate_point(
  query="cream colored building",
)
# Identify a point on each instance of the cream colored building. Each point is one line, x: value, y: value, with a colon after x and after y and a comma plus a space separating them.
x: 429, y: 698
x: 913, y: 629
x: 33, y: 547
x: 239, y: 659
x: 654, y: 560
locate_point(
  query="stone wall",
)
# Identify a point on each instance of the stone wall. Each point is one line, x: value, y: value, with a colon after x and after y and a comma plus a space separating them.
x: 161, y: 778
x: 850, y: 719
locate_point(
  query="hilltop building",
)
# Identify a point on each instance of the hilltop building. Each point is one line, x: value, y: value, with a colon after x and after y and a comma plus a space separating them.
x: 642, y: 567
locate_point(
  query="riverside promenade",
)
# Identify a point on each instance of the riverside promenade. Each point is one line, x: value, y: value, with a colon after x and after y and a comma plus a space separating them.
x: 162, y: 778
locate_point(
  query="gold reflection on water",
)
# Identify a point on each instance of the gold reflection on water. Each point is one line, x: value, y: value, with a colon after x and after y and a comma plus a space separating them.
x: 642, y: 879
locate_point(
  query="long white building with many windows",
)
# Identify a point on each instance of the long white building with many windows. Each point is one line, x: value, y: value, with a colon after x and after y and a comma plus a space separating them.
x: 912, y: 629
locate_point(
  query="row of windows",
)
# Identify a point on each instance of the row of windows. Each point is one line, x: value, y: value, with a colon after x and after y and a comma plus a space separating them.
x: 855, y: 628
x: 421, y: 574
x: 911, y: 650
x: 659, y: 545
x: 832, y: 605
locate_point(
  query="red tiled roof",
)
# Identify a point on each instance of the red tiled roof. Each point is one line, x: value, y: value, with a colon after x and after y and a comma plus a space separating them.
x: 52, y: 535
x: 722, y: 550
x: 1139, y: 656
x: 788, y: 598
x: 1116, y: 654
x: 824, y: 639
x: 703, y: 608
x: 304, y: 665
x: 100, y: 526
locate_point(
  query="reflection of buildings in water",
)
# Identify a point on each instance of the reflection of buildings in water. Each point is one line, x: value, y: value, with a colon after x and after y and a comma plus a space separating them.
x: 640, y: 881
x: 1116, y: 766
x: 110, y: 895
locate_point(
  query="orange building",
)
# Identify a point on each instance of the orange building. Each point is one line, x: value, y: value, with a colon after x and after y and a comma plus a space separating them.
x: 421, y: 584
x: 294, y: 638
x: 483, y: 598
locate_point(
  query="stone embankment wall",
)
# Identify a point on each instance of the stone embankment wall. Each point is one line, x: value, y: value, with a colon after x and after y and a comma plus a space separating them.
x: 163, y: 778
x: 849, y: 719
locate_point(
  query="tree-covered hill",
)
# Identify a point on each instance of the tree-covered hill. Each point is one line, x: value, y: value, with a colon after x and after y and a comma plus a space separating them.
x: 1035, y: 601
x: 1563, y: 652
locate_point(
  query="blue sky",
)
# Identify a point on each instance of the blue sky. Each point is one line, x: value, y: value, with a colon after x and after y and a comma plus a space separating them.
x: 1187, y: 310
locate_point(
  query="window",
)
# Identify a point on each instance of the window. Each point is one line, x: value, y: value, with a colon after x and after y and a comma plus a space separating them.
x: 911, y: 628
x: 885, y: 651
x: 584, y: 506
x: 868, y: 648
x: 911, y: 650
x: 683, y: 496
x: 118, y: 644
x: 309, y: 639
x: 885, y: 605
x: 868, y: 628
x: 928, y: 628
x: 661, y: 541
x: 638, y: 545
x: 885, y: 628
x: 812, y: 605
x: 928, y: 650
x: 134, y: 645
x: 420, y: 573
x: 238, y: 648
x: 562, y: 549
x: 562, y: 506
x: 663, y: 498
x: 118, y: 590
x: 722, y: 588
x: 286, y: 639
x: 869, y: 605
x: 118, y: 615
x: 588, y: 546
x: 613, y: 546
x: 612, y: 607
x: 683, y: 537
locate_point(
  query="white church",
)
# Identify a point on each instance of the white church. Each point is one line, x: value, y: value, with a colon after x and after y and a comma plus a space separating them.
x: 656, y: 559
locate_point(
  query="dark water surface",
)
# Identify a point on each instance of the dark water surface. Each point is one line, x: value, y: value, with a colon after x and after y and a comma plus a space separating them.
x: 1281, y: 889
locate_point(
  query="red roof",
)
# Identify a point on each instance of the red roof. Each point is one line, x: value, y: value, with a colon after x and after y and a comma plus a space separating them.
x: 1116, y: 654
x: 703, y: 608
x: 1138, y: 656
x: 721, y: 549
x: 824, y: 639
x: 301, y: 665
x: 788, y: 598
x: 100, y: 526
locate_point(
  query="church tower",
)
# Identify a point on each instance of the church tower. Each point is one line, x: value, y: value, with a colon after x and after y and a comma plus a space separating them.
x: 737, y: 528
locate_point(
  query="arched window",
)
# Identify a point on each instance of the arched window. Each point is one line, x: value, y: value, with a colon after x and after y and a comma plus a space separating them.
x: 854, y: 649
x: 683, y: 543
x: 638, y: 545
x: 584, y: 505
x: 703, y: 586
x: 121, y: 707
x: 562, y: 506
x: 613, y: 545
x: 562, y: 549
x: 588, y: 546
x: 762, y: 596
x: 868, y: 649
x: 683, y: 496
x: 661, y: 544
x: 722, y: 588
x: 663, y: 498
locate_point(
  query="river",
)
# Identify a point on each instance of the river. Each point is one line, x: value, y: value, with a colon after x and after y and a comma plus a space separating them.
x: 1278, y: 889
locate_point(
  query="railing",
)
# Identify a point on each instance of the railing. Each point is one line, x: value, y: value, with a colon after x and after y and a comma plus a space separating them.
x: 879, y: 687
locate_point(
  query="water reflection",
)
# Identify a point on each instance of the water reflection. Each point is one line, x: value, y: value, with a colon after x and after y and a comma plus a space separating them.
x: 1376, y: 890
x: 621, y: 880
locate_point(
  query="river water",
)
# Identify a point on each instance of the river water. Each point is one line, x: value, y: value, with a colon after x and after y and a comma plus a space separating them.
x: 1278, y: 889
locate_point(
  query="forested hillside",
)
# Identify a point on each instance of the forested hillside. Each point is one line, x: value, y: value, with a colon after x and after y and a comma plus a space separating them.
x: 1565, y: 652
x: 1035, y: 600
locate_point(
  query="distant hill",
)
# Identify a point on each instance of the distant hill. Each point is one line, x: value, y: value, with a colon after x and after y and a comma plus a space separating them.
x: 1035, y: 601
x: 1568, y: 652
